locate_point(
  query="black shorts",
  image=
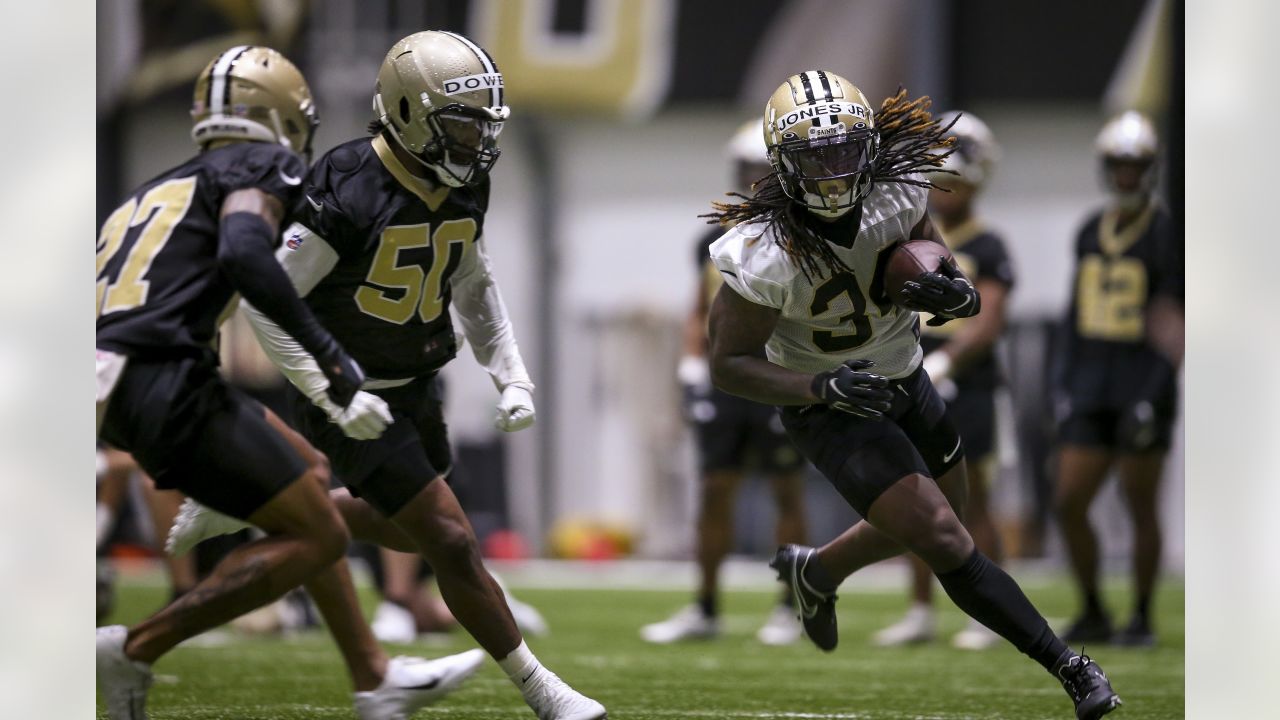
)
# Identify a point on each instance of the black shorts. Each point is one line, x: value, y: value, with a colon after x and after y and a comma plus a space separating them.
x: 190, y: 431
x: 973, y: 412
x: 390, y: 471
x: 862, y: 458
x: 1101, y: 428
x: 733, y: 433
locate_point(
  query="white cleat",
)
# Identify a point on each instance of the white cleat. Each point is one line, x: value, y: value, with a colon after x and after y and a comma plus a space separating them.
x: 412, y: 683
x: 123, y: 682
x: 195, y: 523
x: 394, y: 623
x: 687, y: 624
x: 975, y: 637
x: 918, y: 626
x: 782, y: 627
x: 552, y: 699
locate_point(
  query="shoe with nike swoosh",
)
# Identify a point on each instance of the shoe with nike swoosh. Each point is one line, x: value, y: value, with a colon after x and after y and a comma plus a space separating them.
x: 817, y: 610
x: 412, y: 683
x: 552, y: 699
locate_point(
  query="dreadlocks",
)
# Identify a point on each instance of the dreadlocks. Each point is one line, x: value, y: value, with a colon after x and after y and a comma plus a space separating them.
x: 909, y: 140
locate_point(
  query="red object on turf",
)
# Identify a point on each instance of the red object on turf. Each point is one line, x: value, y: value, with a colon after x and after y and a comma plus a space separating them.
x: 506, y: 545
x: 908, y: 261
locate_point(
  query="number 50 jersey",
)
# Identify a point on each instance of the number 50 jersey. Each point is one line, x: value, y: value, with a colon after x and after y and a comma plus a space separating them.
x: 375, y: 253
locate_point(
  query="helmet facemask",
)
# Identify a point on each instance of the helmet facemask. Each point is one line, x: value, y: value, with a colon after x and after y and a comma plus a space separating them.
x: 828, y: 175
x: 464, y: 145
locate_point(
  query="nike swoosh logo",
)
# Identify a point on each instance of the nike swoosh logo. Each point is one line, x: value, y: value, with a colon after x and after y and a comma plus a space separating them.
x: 806, y: 611
x: 956, y: 449
x: 424, y: 686
x: 832, y: 384
x: 525, y: 679
x: 288, y: 179
x: 318, y: 207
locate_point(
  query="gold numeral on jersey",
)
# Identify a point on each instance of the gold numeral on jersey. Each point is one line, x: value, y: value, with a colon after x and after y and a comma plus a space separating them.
x: 158, y: 213
x: 1111, y: 296
x: 409, y: 288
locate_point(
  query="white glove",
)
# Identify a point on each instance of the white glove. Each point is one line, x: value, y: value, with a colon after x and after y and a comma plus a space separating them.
x: 515, y: 409
x: 364, y: 419
x: 694, y: 373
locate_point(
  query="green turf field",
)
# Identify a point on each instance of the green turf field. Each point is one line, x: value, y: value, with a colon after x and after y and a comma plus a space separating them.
x: 595, y: 646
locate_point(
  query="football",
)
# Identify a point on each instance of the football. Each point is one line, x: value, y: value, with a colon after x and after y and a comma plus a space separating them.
x: 908, y: 261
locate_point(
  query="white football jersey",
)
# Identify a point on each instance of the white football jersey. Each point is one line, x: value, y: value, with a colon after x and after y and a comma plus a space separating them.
x: 834, y: 318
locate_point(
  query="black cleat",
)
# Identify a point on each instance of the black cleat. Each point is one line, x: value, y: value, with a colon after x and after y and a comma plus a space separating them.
x: 1088, y: 687
x: 1089, y: 628
x: 1137, y: 635
x: 816, y: 610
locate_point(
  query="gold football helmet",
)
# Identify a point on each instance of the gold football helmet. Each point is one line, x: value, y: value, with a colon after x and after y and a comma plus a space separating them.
x: 440, y: 95
x: 254, y: 93
x: 1129, y: 139
x: 975, y: 152
x: 822, y: 141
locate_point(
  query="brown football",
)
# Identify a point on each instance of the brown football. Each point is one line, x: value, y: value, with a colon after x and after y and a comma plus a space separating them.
x: 908, y: 261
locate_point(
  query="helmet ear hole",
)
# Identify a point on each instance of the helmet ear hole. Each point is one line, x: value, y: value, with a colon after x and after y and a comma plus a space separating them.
x: 404, y: 110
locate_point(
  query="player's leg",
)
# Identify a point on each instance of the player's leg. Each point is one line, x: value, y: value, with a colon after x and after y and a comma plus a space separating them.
x: 981, y: 524
x: 163, y: 506
x: 1083, y: 462
x: 715, y: 533
x: 1140, y: 475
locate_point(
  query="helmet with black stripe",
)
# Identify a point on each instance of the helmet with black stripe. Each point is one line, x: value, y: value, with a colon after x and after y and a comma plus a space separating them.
x: 440, y: 96
x: 254, y: 93
x: 822, y: 141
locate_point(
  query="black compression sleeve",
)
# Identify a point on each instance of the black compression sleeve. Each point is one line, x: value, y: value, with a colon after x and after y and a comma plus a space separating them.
x: 245, y: 242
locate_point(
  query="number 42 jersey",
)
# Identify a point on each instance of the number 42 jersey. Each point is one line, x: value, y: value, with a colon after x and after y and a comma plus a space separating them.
x: 377, y: 254
x: 840, y: 316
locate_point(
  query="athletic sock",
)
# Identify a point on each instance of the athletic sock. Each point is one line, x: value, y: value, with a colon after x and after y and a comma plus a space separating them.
x: 818, y: 577
x: 1142, y: 610
x: 987, y: 594
x: 708, y: 605
x: 521, y: 666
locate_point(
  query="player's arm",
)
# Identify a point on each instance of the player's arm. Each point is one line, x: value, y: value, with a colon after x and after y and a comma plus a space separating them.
x: 487, y: 327
x: 365, y: 416
x: 248, y: 225
x: 739, y: 330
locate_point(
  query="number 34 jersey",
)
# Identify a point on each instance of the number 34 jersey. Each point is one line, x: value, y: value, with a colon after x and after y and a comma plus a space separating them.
x: 375, y: 254
x: 840, y: 316
x: 159, y: 287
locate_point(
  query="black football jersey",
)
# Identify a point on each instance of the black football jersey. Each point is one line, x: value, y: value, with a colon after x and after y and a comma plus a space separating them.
x: 399, y: 242
x: 1117, y: 274
x: 981, y: 255
x: 160, y: 290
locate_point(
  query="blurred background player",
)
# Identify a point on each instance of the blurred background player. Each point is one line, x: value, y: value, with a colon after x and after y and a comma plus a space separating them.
x: 1117, y: 379
x: 960, y: 360
x: 731, y: 432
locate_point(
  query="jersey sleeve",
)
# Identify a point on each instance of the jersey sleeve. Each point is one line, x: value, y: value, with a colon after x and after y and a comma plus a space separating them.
x: 327, y: 213
x: 273, y: 169
x: 746, y: 270
x: 992, y: 260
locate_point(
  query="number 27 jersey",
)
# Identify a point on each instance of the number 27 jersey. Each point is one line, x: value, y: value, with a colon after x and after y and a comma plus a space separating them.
x: 399, y: 243
x: 842, y: 315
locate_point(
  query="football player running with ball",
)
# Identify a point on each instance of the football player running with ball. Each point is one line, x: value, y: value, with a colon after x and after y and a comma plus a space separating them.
x: 391, y: 233
x: 170, y: 261
x: 803, y: 322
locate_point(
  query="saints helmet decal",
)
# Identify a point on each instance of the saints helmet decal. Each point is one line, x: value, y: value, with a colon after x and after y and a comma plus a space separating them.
x: 822, y: 140
x: 251, y: 92
x: 441, y: 97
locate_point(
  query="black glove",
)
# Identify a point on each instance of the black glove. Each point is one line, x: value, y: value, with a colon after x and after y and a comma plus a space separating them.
x: 850, y: 390
x: 344, y: 374
x: 947, y: 294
